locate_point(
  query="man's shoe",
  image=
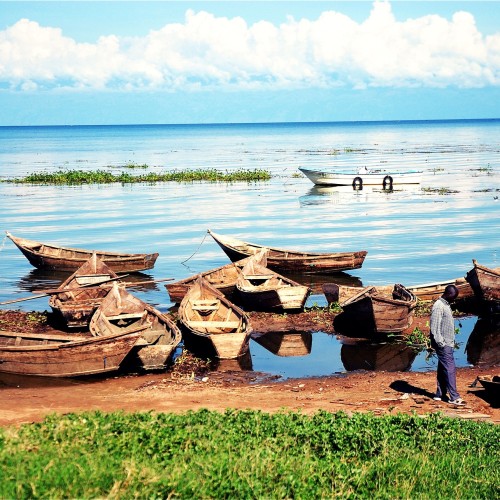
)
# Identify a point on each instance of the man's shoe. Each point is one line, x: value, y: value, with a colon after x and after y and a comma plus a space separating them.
x: 436, y: 398
x: 457, y: 402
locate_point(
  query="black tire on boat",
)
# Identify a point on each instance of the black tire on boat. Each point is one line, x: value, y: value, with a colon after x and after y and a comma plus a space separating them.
x: 357, y: 183
x: 387, y: 182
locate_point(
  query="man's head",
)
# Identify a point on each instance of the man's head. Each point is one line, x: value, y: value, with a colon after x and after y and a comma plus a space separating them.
x: 450, y: 293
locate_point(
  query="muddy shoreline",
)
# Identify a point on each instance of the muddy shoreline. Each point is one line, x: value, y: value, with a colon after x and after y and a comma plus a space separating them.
x: 30, y: 399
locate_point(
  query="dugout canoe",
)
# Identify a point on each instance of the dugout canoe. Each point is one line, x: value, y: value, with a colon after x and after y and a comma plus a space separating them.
x: 485, y: 282
x: 283, y: 260
x: 375, y: 310
x: 84, y: 290
x: 120, y: 311
x: 262, y: 289
x: 58, y: 258
x: 211, y: 323
x: 53, y: 355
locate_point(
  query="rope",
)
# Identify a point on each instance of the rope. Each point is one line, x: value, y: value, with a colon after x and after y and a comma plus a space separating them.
x: 194, y: 253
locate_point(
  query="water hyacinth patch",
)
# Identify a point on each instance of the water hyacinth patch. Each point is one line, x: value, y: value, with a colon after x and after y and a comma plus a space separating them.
x: 78, y: 177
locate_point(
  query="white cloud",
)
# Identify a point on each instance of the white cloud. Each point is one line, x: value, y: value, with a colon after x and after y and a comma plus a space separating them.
x: 216, y: 52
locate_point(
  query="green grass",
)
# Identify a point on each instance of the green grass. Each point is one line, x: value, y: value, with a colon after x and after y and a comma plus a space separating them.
x: 78, y: 177
x: 250, y: 454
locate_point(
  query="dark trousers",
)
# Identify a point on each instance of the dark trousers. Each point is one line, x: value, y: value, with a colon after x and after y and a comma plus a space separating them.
x: 446, y: 372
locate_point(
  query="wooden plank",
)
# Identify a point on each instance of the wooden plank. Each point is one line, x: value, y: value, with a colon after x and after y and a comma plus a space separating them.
x: 214, y: 324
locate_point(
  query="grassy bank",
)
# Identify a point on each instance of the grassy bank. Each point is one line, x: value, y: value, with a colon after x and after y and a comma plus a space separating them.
x: 78, y: 177
x: 249, y: 454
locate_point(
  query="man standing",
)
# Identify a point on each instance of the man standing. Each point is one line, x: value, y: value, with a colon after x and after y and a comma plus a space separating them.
x: 443, y: 342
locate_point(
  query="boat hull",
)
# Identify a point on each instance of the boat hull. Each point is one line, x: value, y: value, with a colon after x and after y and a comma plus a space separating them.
x: 52, y: 257
x: 292, y: 261
x: 213, y: 325
x: 384, y: 179
x: 49, y: 357
x: 485, y: 282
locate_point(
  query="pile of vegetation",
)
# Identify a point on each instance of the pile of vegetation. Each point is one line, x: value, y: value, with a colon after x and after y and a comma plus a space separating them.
x: 250, y: 454
x: 78, y: 177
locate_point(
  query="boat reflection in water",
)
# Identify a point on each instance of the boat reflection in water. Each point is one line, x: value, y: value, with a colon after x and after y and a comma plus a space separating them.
x: 243, y: 363
x: 41, y: 279
x: 286, y: 344
x: 483, y: 345
x: 334, y: 195
x: 366, y: 355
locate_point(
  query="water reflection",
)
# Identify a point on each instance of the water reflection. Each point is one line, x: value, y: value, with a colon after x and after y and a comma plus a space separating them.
x: 364, y: 355
x: 243, y: 363
x: 44, y: 279
x: 483, y: 345
x: 319, y: 195
x: 286, y: 344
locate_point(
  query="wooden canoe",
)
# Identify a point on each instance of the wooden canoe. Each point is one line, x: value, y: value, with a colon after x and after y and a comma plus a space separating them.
x: 120, y: 311
x: 210, y: 322
x: 46, y: 256
x: 52, y: 355
x: 432, y: 291
x: 83, y: 292
x: 485, y: 282
x: 222, y: 278
x: 282, y: 260
x: 375, y: 310
x: 261, y: 289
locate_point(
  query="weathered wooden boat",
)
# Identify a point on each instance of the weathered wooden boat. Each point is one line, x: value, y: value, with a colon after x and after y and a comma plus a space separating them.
x: 222, y: 278
x: 286, y: 344
x: 485, y: 282
x: 84, y: 290
x: 362, y: 177
x: 432, y: 291
x: 283, y: 260
x: 120, y: 311
x: 50, y: 355
x: 363, y: 355
x: 47, y: 256
x: 375, y: 310
x: 210, y: 322
x: 261, y: 289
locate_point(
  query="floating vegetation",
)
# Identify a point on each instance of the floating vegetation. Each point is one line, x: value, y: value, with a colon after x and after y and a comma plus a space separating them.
x: 78, y: 177
x: 440, y: 191
x: 135, y: 165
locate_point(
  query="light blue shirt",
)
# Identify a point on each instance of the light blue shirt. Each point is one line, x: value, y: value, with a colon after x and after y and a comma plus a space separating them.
x: 442, y: 323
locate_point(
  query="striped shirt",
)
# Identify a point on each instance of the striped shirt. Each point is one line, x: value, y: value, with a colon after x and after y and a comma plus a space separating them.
x: 442, y: 323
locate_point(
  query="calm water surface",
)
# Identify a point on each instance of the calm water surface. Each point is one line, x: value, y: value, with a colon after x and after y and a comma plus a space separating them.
x: 413, y: 235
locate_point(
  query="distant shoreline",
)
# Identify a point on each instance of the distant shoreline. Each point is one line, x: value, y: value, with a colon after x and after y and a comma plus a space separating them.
x: 264, y: 124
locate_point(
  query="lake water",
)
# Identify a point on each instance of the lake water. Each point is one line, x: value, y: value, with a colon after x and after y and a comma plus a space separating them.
x: 413, y: 235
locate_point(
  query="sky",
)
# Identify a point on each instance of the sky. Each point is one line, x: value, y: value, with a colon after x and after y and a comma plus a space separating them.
x: 155, y: 62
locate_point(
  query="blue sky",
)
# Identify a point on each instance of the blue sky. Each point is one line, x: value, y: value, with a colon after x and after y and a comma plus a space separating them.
x: 121, y: 62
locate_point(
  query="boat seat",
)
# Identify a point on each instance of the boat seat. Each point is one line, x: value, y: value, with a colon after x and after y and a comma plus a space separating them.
x: 126, y: 316
x: 205, y: 305
x: 214, y: 324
